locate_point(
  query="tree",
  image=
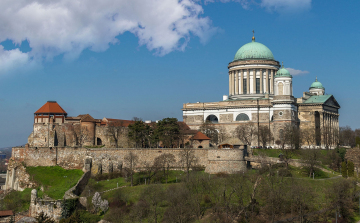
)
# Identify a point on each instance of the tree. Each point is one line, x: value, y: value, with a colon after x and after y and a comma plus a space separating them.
x: 210, y: 131
x: 168, y: 132
x: 44, y: 218
x: 188, y: 159
x: 350, y: 167
x: 245, y: 133
x: 347, y: 136
x: 154, y: 196
x: 265, y: 135
x: 291, y: 136
x: 96, y: 201
x: 165, y: 161
x: 131, y: 160
x: 115, y: 129
x: 344, y: 172
x: 308, y: 136
x: 139, y: 133
x: 311, y: 157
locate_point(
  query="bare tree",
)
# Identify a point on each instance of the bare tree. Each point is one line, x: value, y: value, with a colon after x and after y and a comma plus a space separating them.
x: 165, y: 162
x: 245, y: 132
x: 210, y: 131
x: 188, y: 159
x: 116, y: 130
x: 291, y: 136
x: 131, y: 160
x: 311, y: 158
x: 308, y: 136
x: 265, y: 135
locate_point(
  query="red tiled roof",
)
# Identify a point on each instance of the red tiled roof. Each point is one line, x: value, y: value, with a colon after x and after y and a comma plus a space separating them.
x: 6, y: 213
x: 119, y: 122
x: 183, y: 126
x: 200, y: 136
x: 51, y: 107
x: 87, y: 118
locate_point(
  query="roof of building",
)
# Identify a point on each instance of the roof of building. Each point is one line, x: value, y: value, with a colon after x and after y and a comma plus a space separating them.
x: 232, y: 141
x: 316, y: 85
x: 318, y: 99
x: 118, y: 122
x: 254, y: 50
x: 87, y: 118
x: 283, y: 72
x: 6, y: 213
x: 51, y: 107
x: 200, y: 136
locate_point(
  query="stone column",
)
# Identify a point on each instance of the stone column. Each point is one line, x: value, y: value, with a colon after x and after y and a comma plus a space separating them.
x: 241, y: 90
x: 261, y: 82
x: 233, y: 82
x: 272, y: 82
x: 237, y: 82
x: 248, y: 82
x: 254, y: 81
x: 267, y: 90
x: 229, y: 82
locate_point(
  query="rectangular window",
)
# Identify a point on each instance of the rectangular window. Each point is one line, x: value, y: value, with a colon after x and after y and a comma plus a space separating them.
x: 257, y: 85
x: 269, y: 84
x: 244, y: 86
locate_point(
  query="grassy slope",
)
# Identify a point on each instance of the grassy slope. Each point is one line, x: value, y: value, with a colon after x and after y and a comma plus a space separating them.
x: 55, y: 180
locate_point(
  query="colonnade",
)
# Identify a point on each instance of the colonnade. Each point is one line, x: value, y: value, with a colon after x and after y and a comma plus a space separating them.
x: 329, y: 123
x: 239, y: 81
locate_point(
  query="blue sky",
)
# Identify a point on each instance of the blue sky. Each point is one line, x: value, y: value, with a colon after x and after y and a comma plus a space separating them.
x: 125, y: 59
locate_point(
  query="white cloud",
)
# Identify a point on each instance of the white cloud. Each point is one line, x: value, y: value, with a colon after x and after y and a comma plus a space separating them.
x: 295, y: 72
x: 280, y: 6
x: 11, y: 60
x: 286, y: 6
x: 54, y: 27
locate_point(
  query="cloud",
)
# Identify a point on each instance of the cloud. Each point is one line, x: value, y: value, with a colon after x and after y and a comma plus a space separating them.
x: 279, y: 6
x: 67, y: 27
x: 286, y: 6
x: 296, y: 72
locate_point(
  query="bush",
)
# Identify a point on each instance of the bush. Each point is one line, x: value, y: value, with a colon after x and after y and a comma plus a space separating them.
x: 16, y: 201
x: 284, y: 172
x: 107, y: 176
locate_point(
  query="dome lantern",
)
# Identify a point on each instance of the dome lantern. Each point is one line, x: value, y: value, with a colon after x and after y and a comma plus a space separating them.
x: 317, y: 88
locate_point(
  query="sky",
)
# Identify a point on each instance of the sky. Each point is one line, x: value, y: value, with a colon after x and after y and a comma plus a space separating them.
x: 145, y: 58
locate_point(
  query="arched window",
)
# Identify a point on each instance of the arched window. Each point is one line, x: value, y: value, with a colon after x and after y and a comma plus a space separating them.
x: 281, y: 88
x: 242, y: 117
x: 212, y: 119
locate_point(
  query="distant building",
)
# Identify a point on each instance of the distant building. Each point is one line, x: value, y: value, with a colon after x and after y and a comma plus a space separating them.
x: 261, y: 92
x: 52, y: 127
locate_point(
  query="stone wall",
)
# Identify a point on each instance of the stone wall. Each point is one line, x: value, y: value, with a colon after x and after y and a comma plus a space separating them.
x: 50, y: 207
x: 105, y: 160
x: 225, y: 161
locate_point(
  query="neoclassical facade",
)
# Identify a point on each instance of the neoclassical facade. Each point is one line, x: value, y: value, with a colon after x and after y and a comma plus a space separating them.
x: 261, y: 92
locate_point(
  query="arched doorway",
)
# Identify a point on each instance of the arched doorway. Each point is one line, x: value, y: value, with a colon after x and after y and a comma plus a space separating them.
x: 98, y: 142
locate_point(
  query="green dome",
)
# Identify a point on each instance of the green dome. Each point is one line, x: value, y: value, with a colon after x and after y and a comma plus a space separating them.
x: 282, y: 72
x: 254, y: 50
x: 317, y: 85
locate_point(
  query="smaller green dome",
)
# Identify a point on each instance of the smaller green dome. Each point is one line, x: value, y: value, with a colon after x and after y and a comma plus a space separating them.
x: 316, y: 85
x: 282, y: 72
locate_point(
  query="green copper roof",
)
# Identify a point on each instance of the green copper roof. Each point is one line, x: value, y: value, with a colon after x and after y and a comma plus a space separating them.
x: 282, y: 72
x: 254, y: 50
x: 316, y: 99
x: 316, y: 85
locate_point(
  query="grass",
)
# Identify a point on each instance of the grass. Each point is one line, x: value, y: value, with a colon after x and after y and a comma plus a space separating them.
x: 54, y: 179
x: 276, y: 152
x: 18, y: 201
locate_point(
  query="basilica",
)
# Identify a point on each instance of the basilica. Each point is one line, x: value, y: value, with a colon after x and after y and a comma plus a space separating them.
x: 261, y: 93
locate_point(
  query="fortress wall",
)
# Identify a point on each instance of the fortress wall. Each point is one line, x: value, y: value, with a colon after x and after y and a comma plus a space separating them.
x: 226, y: 161
x: 74, y: 158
